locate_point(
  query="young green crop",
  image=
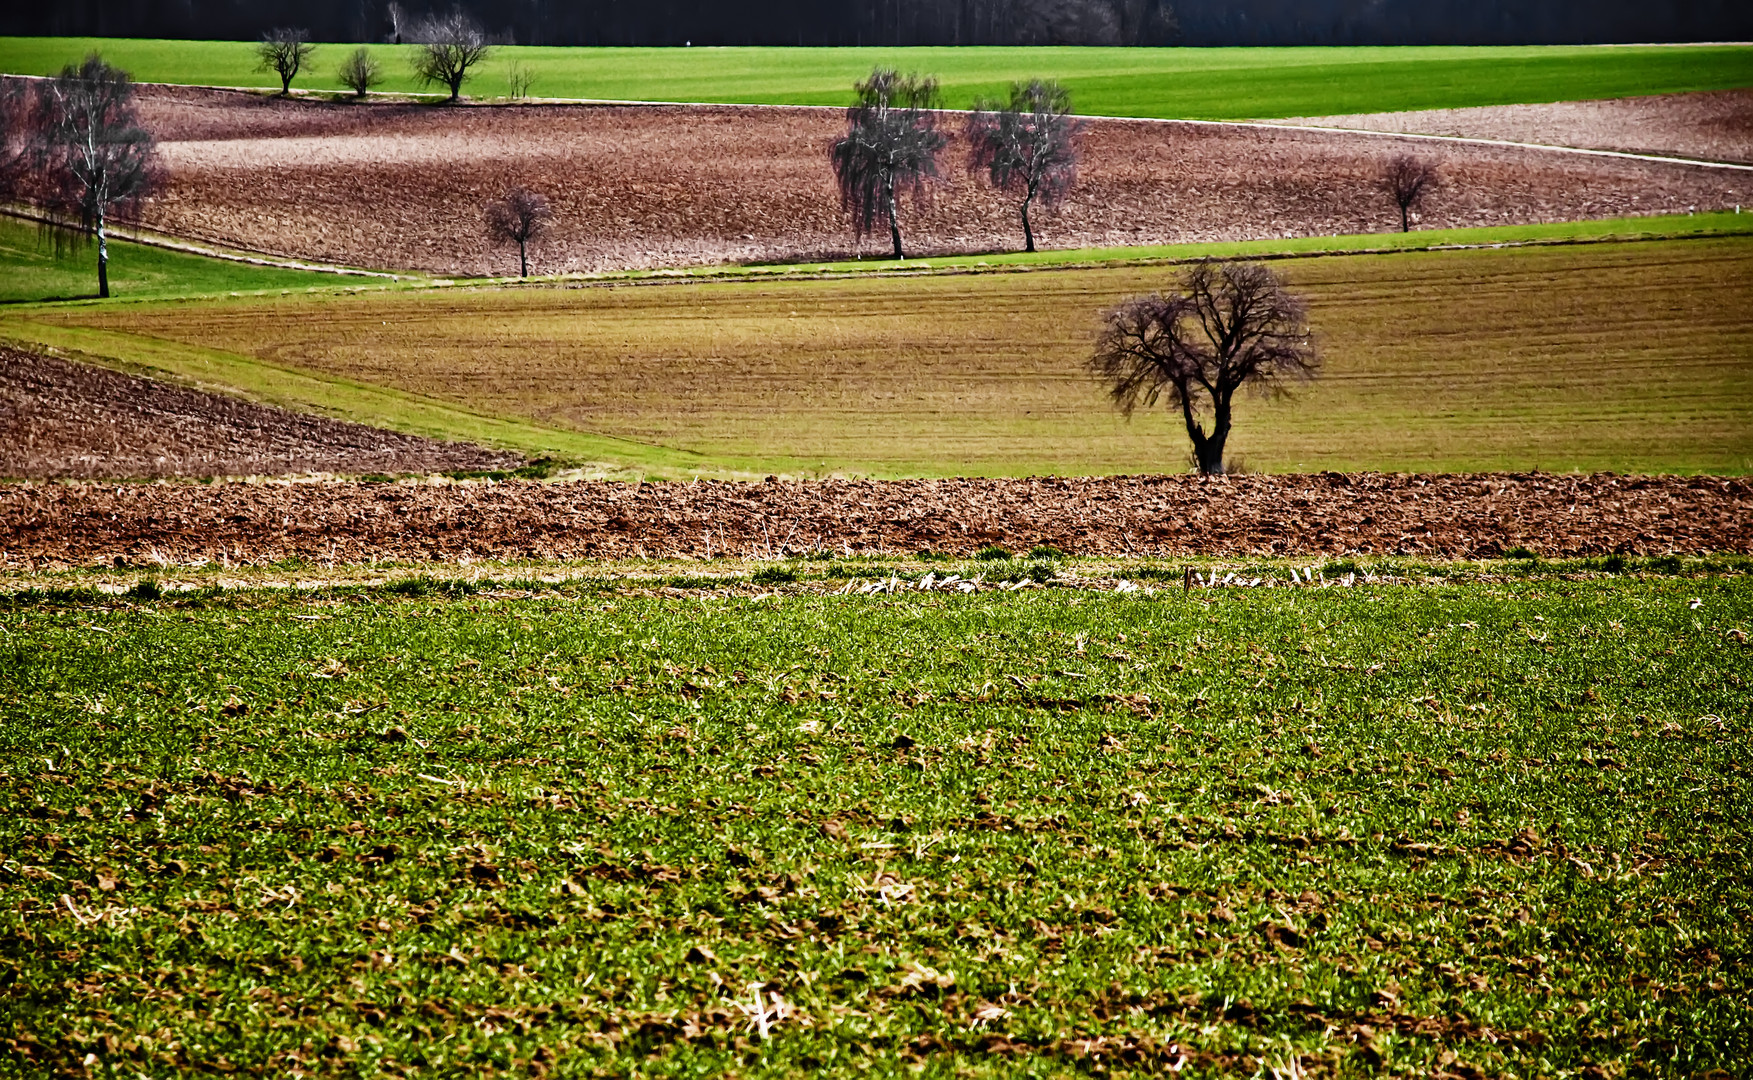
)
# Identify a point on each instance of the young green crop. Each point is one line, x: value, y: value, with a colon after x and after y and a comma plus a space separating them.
x: 1190, y: 83
x: 1499, y: 827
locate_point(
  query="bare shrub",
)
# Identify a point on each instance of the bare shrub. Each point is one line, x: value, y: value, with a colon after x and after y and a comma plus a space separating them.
x: 360, y: 72
x: 1407, y: 180
x: 520, y: 217
x: 519, y: 78
x: 891, y: 146
x: 1230, y: 325
x: 1027, y: 146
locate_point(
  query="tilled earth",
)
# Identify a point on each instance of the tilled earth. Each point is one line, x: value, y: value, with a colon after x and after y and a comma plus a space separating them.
x: 62, y: 419
x: 44, y: 526
x: 1715, y: 126
x: 403, y: 186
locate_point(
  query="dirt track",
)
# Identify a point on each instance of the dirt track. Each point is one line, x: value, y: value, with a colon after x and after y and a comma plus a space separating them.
x: 50, y: 525
x: 403, y: 185
x: 61, y: 419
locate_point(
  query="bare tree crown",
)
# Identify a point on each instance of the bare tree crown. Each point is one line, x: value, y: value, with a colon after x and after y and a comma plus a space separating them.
x: 1229, y: 325
x: 890, y: 147
x: 360, y: 71
x: 1407, y: 180
x: 93, y: 159
x: 449, y: 46
x: 284, y: 51
x: 1027, y: 145
x: 518, y: 218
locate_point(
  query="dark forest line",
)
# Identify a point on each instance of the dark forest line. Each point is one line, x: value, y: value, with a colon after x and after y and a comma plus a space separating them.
x: 922, y: 22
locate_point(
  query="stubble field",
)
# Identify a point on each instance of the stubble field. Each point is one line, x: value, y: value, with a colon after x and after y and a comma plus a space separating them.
x: 1628, y: 357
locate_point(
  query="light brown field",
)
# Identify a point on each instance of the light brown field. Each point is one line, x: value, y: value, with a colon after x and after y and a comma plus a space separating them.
x: 403, y: 186
x: 1630, y: 357
x: 1715, y: 126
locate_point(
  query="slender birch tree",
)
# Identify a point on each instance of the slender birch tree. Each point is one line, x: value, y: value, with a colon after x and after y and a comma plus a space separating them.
x: 95, y: 162
x: 891, y: 147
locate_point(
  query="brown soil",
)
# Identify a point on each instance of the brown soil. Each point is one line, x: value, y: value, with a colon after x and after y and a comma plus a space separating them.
x: 50, y: 525
x: 1715, y: 126
x: 402, y: 186
x: 61, y: 419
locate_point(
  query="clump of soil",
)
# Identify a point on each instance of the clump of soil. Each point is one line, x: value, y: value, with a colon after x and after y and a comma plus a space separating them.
x: 1483, y: 515
x: 62, y: 419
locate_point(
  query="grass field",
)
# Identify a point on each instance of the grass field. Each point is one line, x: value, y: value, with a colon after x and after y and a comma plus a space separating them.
x: 1498, y: 828
x: 1628, y: 357
x: 1191, y: 83
x: 34, y: 268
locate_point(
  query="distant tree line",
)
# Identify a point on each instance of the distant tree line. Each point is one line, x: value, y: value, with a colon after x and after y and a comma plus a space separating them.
x: 918, y: 22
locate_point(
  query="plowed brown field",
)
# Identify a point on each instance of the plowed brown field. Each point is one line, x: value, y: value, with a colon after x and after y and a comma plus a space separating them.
x: 50, y: 525
x: 61, y: 419
x: 403, y: 185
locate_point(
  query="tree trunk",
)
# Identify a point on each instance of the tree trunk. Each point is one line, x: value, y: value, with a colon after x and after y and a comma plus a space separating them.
x: 1405, y: 225
x: 285, y: 85
x: 1207, y: 449
x: 1028, y: 233
x: 894, y: 223
x: 103, y: 261
x: 523, y: 260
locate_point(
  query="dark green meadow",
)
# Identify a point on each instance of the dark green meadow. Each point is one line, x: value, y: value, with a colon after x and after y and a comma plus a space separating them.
x: 1492, y: 828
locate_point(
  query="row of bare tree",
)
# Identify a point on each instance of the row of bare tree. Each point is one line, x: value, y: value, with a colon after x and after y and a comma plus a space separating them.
x: 1026, y: 145
x: 450, y: 46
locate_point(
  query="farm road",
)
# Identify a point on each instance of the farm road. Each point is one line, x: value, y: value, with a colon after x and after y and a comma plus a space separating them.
x: 52, y: 525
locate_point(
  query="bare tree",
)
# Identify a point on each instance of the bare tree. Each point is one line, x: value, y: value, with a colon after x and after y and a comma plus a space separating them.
x: 1230, y: 325
x: 1407, y: 180
x: 95, y: 162
x: 1027, y: 146
x: 360, y: 71
x: 284, y: 51
x: 891, y: 146
x: 449, y: 46
x: 520, y: 217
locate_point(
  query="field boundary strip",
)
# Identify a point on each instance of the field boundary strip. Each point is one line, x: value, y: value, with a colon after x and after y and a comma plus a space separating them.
x: 1073, y: 258
x: 146, y: 237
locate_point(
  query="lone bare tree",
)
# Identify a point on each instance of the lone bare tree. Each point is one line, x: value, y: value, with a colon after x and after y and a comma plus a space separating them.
x: 1028, y: 145
x: 520, y: 217
x: 891, y: 146
x: 94, y: 161
x: 1407, y: 180
x: 449, y: 46
x: 284, y: 51
x: 360, y: 72
x: 1229, y: 325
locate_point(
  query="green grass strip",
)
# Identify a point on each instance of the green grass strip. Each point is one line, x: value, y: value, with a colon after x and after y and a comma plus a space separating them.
x: 1219, y: 83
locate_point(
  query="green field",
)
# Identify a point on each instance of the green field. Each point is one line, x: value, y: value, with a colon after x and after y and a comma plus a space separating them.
x: 1229, y: 83
x: 1497, y: 828
x: 33, y: 268
x: 1621, y: 356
